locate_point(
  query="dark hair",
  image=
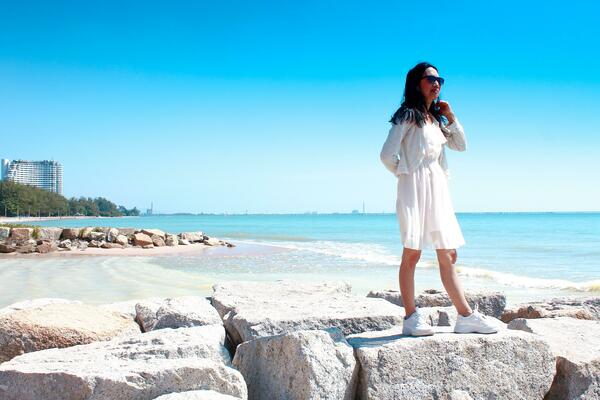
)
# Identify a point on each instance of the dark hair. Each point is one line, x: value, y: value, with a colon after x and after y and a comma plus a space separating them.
x: 413, y: 105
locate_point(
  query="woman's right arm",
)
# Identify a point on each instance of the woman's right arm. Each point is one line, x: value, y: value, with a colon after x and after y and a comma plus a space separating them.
x: 391, y: 147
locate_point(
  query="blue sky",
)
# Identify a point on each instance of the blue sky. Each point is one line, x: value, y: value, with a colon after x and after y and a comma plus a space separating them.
x: 283, y: 106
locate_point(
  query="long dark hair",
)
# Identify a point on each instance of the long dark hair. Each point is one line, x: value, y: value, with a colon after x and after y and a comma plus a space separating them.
x: 413, y: 105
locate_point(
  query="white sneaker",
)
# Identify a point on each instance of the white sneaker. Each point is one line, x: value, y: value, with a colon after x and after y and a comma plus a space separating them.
x: 416, y: 325
x: 475, y: 323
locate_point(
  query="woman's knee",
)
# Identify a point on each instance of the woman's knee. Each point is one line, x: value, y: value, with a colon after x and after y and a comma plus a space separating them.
x: 446, y: 256
x: 410, y: 257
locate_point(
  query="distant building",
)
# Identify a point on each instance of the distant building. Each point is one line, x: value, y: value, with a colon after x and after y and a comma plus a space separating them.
x: 45, y: 174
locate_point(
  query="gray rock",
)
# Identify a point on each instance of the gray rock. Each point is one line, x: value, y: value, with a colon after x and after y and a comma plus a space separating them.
x: 171, y: 240
x: 148, y: 246
x: 580, y: 308
x: 70, y: 233
x: 184, y: 242
x: 143, y: 366
x: 82, y: 245
x: 154, y: 232
x: 112, y: 234
x: 108, y: 245
x: 20, y: 234
x: 98, y: 236
x: 4, y: 232
x: 257, y: 309
x: 58, y: 325
x: 175, y: 312
x: 298, y: 365
x: 212, y: 242
x: 192, y: 236
x: 127, y: 231
x: 141, y: 239
x: 506, y: 365
x: 84, y: 233
x: 46, y: 247
x: 95, y: 243
x: 65, y: 244
x: 7, y: 248
x: 576, y: 345
x: 26, y: 247
x: 35, y: 303
x: 158, y: 241
x: 197, y: 395
x: 49, y: 233
x: 488, y: 303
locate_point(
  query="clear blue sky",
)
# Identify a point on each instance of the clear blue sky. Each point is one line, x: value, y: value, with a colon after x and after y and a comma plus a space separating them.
x: 283, y: 106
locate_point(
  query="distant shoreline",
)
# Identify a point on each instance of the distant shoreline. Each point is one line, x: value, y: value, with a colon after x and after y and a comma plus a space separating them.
x: 13, y: 220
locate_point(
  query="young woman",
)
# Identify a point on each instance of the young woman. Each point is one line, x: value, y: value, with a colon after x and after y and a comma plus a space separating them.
x: 414, y: 152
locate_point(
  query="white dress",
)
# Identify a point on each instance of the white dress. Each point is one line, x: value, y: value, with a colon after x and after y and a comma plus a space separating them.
x: 423, y: 206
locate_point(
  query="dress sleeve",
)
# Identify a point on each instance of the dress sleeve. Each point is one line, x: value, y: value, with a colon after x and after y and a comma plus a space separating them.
x: 391, y: 148
x: 456, y: 140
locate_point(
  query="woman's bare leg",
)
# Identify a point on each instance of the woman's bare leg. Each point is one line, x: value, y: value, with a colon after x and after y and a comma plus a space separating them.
x: 446, y: 259
x: 406, y: 277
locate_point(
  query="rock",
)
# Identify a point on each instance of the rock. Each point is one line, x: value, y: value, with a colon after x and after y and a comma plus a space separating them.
x: 488, y: 303
x: 212, y: 242
x: 192, y: 236
x: 313, y: 364
x: 27, y: 247
x: 197, y: 395
x: 70, y: 233
x: 128, y: 307
x: 127, y: 231
x: 112, y: 234
x: 154, y: 232
x: 65, y: 244
x: 576, y: 346
x: 505, y: 365
x: 49, y: 233
x: 82, y: 245
x: 229, y: 244
x: 46, y: 247
x: 141, y: 239
x: 58, y: 325
x: 257, y: 309
x: 35, y: 303
x: 143, y: 366
x: 580, y: 308
x: 108, y: 245
x: 85, y: 233
x: 20, y: 234
x: 95, y: 244
x: 158, y: 241
x: 4, y: 232
x: 148, y: 246
x: 97, y: 236
x: 184, y: 242
x: 171, y: 240
x: 7, y: 248
x: 176, y: 313
x: 122, y: 240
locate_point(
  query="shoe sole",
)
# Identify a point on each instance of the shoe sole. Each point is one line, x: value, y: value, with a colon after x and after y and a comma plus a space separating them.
x: 482, y: 332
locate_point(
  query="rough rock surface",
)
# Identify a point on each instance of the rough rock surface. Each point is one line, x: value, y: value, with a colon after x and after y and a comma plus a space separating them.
x: 158, y: 241
x: 49, y: 233
x: 20, y: 234
x: 46, y: 247
x: 35, y: 303
x: 154, y: 232
x: 313, y: 364
x: 143, y: 366
x: 580, y: 308
x: 257, y: 309
x: 171, y: 240
x: 488, y: 303
x: 197, y: 395
x: 141, y: 239
x: 7, y: 248
x: 59, y: 325
x: 4, y: 232
x: 127, y: 307
x: 576, y: 346
x: 70, y: 233
x: 192, y: 236
x: 176, y: 313
x: 112, y: 234
x: 506, y: 365
x: 122, y: 240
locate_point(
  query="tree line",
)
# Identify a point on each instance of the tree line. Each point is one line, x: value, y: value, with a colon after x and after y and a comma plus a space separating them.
x: 20, y: 200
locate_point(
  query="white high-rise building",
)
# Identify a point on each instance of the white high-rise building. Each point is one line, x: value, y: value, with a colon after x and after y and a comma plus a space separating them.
x: 42, y: 174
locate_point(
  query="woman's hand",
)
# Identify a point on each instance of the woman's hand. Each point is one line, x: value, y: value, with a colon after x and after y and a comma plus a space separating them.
x: 446, y: 110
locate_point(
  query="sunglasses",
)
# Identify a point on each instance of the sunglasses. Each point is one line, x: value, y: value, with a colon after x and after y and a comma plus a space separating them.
x: 431, y: 79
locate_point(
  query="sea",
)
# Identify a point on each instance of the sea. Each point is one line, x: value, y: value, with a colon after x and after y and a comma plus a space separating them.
x: 527, y: 256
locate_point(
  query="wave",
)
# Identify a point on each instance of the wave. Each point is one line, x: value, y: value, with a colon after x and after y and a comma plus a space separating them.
x: 380, y: 254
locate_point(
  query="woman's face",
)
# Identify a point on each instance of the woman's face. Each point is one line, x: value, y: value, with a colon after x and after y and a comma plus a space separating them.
x: 431, y: 91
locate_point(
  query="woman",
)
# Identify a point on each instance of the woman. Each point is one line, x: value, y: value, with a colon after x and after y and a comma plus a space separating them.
x: 414, y: 152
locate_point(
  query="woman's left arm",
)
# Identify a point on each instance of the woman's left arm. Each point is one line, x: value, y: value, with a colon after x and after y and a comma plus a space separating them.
x: 456, y: 139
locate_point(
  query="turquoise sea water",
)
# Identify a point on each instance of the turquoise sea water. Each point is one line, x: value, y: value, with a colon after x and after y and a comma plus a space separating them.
x: 526, y: 255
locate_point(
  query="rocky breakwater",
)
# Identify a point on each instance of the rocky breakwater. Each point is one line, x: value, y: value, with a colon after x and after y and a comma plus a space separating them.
x: 46, y: 240
x: 306, y: 340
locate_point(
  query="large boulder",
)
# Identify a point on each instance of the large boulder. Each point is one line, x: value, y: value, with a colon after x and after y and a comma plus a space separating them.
x: 46, y: 246
x: 197, y: 395
x: 257, y: 309
x: 59, y: 325
x: 580, y: 308
x: 154, y: 232
x: 305, y: 365
x: 143, y: 366
x: 505, y: 365
x: 70, y: 233
x: 7, y: 248
x: 171, y: 240
x: 488, y: 303
x: 4, y: 232
x: 158, y: 241
x: 97, y: 235
x: 122, y: 240
x: 49, y: 233
x: 576, y: 346
x: 35, y: 303
x: 176, y: 312
x: 21, y: 234
x: 127, y: 231
x: 141, y: 239
x: 84, y: 233
x: 112, y: 234
x: 192, y: 236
